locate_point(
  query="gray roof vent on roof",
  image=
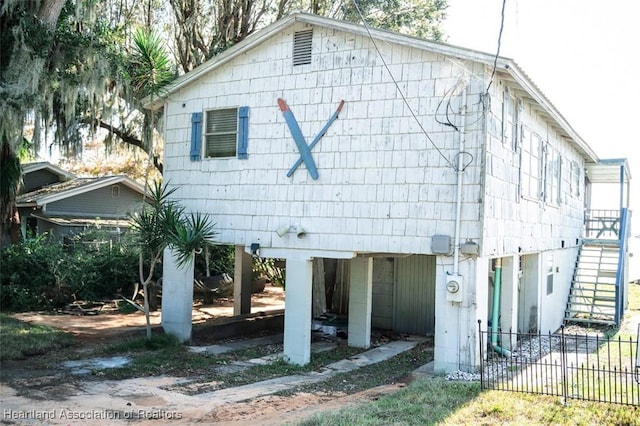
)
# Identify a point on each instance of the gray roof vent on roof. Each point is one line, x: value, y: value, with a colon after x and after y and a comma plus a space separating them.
x: 302, y: 47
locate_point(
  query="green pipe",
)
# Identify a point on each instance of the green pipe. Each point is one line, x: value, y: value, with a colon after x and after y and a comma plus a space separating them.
x: 497, y: 288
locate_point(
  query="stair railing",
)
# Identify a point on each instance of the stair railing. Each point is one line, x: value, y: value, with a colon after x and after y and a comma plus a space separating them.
x: 602, y: 224
x: 620, y: 275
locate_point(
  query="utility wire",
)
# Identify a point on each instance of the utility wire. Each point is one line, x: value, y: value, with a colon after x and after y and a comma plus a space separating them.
x: 364, y: 22
x: 495, y: 60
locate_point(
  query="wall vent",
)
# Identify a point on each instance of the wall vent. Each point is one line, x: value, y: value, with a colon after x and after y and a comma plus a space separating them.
x: 302, y: 47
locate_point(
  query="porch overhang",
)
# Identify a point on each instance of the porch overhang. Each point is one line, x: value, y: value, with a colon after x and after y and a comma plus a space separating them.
x: 613, y: 170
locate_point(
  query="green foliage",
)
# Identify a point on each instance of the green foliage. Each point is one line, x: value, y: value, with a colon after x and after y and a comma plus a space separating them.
x: 57, y: 75
x: 42, y: 274
x: 420, y: 18
x: 270, y: 268
x: 190, y: 235
x: 150, y: 67
x: 221, y: 260
x: 164, y: 223
x: 29, y: 339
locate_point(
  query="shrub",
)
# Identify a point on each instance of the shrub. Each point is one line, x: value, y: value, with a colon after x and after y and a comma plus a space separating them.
x: 42, y: 274
x: 221, y: 261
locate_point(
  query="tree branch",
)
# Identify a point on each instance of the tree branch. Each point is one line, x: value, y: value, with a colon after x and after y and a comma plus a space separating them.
x: 128, y: 138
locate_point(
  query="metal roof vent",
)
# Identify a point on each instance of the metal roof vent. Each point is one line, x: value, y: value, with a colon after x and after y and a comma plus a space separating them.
x: 302, y: 47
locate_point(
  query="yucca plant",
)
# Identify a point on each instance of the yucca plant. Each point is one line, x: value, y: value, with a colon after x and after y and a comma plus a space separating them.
x: 164, y: 223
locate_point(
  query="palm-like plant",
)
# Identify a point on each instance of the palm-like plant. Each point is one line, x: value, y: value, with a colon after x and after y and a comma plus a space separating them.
x: 164, y: 223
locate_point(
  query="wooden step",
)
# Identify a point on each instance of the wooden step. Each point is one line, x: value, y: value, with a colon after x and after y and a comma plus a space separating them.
x: 590, y: 321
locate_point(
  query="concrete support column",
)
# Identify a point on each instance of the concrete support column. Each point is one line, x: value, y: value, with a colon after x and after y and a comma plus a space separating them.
x: 509, y: 300
x: 177, y: 297
x: 297, y: 311
x: 242, y: 277
x: 529, y: 298
x: 360, y: 285
x: 456, y: 343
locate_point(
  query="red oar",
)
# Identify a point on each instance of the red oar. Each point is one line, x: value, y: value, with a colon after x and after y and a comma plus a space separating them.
x: 318, y: 137
x: 298, y: 138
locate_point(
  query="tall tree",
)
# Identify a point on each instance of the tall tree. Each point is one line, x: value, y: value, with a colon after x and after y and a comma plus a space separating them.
x: 64, y: 71
x: 22, y: 63
x: 204, y: 28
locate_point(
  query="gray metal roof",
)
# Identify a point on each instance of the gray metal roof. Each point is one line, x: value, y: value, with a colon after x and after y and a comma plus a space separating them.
x: 82, y: 221
x: 40, y: 165
x: 62, y: 190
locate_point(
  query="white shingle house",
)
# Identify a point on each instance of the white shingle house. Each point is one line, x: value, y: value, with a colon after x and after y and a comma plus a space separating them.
x: 438, y: 180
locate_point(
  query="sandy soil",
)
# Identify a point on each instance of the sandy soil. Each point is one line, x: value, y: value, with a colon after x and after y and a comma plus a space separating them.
x: 109, y: 323
x: 81, y: 395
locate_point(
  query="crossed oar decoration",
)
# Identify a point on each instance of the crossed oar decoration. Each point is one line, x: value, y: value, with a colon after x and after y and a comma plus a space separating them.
x: 298, y: 137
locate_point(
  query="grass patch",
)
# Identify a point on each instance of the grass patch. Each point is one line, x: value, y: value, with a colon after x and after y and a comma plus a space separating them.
x: 163, y: 354
x: 20, y: 339
x: 281, y: 368
x: 614, y: 360
x: 437, y: 401
x: 423, y: 402
x: 390, y: 371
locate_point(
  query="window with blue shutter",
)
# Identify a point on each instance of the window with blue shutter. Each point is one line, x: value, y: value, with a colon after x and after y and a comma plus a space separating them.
x: 226, y: 133
x: 196, y: 136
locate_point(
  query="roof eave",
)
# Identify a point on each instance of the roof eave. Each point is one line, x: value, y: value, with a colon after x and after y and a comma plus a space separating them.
x: 504, y: 64
x: 34, y: 167
x: 157, y: 102
x: 110, y: 180
x: 519, y: 76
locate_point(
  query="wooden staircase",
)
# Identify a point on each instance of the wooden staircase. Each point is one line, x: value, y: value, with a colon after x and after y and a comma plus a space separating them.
x: 592, y: 298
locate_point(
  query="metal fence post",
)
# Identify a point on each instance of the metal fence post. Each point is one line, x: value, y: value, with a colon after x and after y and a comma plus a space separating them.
x: 481, y: 354
x: 563, y: 366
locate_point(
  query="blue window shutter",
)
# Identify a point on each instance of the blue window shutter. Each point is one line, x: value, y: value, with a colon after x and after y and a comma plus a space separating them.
x: 196, y: 136
x: 243, y: 132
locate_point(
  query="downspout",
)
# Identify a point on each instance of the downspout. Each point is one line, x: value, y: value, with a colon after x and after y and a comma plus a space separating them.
x: 497, y: 289
x: 460, y: 171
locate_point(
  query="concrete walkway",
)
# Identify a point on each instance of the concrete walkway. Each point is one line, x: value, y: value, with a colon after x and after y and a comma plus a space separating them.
x: 162, y: 400
x: 271, y: 386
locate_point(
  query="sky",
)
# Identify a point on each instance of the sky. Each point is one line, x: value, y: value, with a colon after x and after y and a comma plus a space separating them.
x: 583, y: 54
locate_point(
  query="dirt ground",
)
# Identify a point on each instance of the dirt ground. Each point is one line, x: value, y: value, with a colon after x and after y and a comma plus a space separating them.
x: 51, y: 394
x: 109, y: 323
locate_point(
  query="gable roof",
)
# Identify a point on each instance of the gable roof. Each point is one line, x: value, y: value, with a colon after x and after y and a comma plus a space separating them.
x: 45, y: 165
x: 62, y: 190
x: 505, y: 67
x: 70, y: 221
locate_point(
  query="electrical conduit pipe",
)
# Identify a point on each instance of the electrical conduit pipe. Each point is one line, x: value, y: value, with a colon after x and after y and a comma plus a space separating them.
x: 497, y: 289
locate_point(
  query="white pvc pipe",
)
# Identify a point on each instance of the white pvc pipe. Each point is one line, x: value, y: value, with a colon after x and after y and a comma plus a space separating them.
x: 461, y: 131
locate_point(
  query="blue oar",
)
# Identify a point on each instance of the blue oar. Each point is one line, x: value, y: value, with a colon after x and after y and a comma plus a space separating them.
x: 303, y: 148
x: 318, y: 137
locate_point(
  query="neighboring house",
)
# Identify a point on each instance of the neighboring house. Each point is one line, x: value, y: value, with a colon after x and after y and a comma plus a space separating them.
x: 40, y: 174
x: 60, y: 203
x: 439, y: 172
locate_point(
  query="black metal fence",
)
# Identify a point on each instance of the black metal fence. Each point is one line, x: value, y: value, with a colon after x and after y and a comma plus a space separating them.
x: 567, y: 364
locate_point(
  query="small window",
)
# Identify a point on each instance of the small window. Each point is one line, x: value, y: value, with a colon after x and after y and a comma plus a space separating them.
x: 576, y: 173
x: 510, y: 120
x: 115, y: 191
x: 531, y: 164
x: 552, y: 176
x: 302, y: 47
x: 221, y: 133
x: 549, y: 274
